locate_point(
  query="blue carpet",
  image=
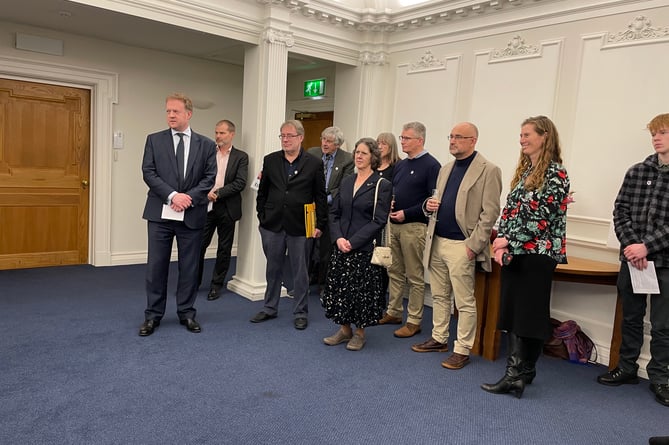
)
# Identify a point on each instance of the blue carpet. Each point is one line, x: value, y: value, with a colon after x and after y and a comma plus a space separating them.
x: 74, y: 371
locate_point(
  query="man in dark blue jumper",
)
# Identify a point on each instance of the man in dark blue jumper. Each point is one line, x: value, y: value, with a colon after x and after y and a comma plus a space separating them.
x: 414, y: 179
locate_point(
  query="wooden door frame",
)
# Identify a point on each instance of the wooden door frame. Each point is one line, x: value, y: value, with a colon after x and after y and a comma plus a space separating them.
x: 104, y: 94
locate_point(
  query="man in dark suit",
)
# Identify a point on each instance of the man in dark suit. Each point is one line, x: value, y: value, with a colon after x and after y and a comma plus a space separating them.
x: 225, y: 204
x: 337, y: 164
x: 290, y: 179
x: 179, y: 166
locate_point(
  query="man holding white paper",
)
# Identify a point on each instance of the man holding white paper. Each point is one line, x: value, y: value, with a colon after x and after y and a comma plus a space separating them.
x: 641, y: 219
x: 179, y: 167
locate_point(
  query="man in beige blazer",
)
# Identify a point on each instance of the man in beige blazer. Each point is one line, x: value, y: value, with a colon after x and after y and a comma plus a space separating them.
x: 462, y: 213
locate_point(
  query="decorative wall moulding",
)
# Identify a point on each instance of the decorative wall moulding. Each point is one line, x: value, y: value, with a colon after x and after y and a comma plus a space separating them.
x: 639, y: 30
x: 515, y: 49
x: 427, y: 62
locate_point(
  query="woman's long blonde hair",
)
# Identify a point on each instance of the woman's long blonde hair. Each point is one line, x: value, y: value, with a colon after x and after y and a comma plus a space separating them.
x: 550, y: 152
x: 391, y: 141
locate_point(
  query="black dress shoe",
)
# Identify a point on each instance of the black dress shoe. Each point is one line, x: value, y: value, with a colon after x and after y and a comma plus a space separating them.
x: 262, y: 316
x: 661, y: 391
x: 212, y: 295
x: 191, y: 325
x: 617, y: 377
x: 301, y: 323
x: 148, y: 327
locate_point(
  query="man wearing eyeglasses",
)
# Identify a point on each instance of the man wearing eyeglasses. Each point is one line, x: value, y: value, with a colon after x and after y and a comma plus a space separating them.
x: 413, y: 181
x: 464, y: 210
x: 337, y: 164
x: 290, y: 179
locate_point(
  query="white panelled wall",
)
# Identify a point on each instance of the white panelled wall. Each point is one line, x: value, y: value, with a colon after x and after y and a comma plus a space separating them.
x: 600, y: 80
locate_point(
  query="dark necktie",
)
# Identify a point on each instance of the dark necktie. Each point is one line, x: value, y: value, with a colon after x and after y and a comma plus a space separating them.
x: 328, y: 168
x: 180, y: 157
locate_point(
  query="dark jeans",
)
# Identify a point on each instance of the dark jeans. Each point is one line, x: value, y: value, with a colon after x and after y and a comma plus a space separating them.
x: 225, y: 229
x: 634, y: 310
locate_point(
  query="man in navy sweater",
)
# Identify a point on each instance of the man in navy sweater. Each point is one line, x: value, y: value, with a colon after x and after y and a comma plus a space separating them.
x: 414, y: 179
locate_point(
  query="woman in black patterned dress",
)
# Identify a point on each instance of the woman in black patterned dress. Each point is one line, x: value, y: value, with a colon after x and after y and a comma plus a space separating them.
x: 353, y: 287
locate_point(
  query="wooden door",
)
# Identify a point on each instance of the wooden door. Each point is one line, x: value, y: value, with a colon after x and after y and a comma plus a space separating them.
x: 314, y: 124
x: 44, y: 174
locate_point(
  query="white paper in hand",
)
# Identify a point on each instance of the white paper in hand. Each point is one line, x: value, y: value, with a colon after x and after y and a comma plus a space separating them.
x: 644, y: 281
x: 168, y: 213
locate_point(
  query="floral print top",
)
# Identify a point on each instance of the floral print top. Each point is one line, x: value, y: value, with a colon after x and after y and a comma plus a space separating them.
x: 535, y: 222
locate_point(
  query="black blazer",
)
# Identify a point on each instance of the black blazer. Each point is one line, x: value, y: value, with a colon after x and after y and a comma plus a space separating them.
x: 159, y: 168
x: 280, y: 201
x: 229, y: 197
x: 351, y: 216
x: 341, y: 167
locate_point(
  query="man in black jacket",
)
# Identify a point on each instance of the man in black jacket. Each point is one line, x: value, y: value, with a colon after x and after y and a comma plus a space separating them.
x: 337, y: 164
x: 290, y: 179
x: 225, y: 204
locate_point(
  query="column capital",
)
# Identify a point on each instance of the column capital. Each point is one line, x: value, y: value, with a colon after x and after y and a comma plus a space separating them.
x: 373, y: 58
x: 273, y: 35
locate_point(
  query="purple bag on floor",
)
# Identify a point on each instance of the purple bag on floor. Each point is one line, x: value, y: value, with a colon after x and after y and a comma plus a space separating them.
x: 569, y: 337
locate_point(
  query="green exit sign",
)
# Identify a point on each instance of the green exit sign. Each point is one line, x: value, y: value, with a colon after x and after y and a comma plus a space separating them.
x: 314, y: 88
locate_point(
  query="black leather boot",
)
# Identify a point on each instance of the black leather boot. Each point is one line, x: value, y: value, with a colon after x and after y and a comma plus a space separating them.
x: 531, y: 350
x: 512, y: 381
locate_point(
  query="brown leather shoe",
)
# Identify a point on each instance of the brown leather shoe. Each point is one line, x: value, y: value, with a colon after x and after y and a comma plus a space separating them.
x: 455, y: 361
x: 389, y: 319
x: 431, y: 345
x: 408, y: 330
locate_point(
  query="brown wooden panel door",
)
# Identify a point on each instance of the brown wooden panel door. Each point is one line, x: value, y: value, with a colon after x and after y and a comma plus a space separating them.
x: 314, y: 124
x: 44, y: 174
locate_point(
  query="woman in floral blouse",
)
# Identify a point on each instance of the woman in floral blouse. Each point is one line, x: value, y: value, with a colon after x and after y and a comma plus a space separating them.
x: 530, y: 243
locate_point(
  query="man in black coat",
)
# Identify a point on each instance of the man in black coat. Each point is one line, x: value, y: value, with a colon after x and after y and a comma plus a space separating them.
x: 290, y: 179
x: 225, y: 204
x: 179, y: 166
x: 337, y: 164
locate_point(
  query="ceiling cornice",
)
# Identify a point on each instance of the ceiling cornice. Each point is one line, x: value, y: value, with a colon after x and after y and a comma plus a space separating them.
x: 409, y: 18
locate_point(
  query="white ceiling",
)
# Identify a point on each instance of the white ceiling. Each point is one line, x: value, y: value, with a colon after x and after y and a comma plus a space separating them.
x: 80, y: 19
x: 84, y: 20
x: 74, y: 18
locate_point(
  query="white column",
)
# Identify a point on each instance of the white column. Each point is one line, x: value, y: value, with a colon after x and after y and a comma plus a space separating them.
x: 364, y: 98
x: 264, y: 108
x: 376, y: 104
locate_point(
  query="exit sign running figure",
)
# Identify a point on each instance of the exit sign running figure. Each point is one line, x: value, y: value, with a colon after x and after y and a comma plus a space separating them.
x: 314, y: 88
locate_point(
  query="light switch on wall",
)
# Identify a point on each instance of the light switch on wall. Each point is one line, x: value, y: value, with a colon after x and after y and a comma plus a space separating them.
x: 118, y: 140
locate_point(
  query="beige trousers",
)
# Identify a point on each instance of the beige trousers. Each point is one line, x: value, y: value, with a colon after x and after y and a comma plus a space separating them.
x: 452, y: 275
x: 407, y: 244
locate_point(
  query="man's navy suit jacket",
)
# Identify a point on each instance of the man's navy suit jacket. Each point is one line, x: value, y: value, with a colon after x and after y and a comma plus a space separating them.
x: 159, y: 168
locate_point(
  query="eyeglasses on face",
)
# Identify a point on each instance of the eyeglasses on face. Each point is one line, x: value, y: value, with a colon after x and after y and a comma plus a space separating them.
x: 288, y: 136
x: 459, y: 137
x: 406, y: 138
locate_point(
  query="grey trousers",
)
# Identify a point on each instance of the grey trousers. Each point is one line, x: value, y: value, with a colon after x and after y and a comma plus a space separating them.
x: 275, y: 245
